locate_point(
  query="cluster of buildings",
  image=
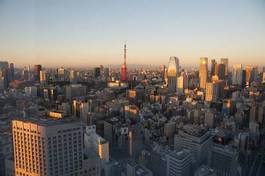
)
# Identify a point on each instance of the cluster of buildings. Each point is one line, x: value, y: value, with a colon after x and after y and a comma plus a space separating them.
x: 161, y: 121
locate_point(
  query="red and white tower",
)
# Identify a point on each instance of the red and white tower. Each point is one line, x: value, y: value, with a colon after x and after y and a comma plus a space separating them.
x: 124, y: 67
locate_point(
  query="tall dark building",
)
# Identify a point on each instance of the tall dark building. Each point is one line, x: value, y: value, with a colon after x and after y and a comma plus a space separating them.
x: 220, y: 71
x: 11, y: 72
x: 36, y: 72
x: 225, y: 62
x: 96, y: 72
x: 4, y: 68
x: 26, y: 73
x: 213, y: 63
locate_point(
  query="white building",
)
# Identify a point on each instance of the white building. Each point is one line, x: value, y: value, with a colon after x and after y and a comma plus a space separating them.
x: 96, y: 143
x: 179, y: 163
x: 49, y: 147
x: 198, y: 140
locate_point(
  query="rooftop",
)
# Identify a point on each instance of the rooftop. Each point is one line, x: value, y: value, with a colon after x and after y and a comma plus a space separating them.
x: 205, y: 171
x: 194, y: 130
x: 47, y: 121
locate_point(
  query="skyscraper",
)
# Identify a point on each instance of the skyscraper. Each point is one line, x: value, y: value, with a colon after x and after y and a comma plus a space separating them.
x: 179, y: 163
x: 4, y: 73
x: 11, y: 72
x: 220, y: 71
x: 36, y: 72
x: 172, y: 73
x: 73, y: 76
x: 251, y: 74
x: 96, y: 72
x: 61, y: 74
x: 223, y: 159
x: 124, y: 66
x: 237, y: 74
x: 213, y: 63
x: 47, y: 147
x: 203, y: 72
x: 26, y: 73
x: 43, y: 76
x: 225, y: 62
x: 214, y: 90
x: 196, y: 139
x: 182, y: 83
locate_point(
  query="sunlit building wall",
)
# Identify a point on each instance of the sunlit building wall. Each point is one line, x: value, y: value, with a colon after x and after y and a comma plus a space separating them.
x: 172, y: 74
x: 237, y: 74
x: 42, y: 76
x: 203, y: 72
x: 44, y: 147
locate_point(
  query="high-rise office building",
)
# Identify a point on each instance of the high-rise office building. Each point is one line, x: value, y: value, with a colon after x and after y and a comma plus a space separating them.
x: 220, y: 71
x: 3, y: 65
x: 213, y: 63
x: 94, y: 142
x: 203, y: 72
x: 225, y: 62
x: 80, y: 110
x: 11, y: 72
x: 106, y: 72
x: 2, y: 84
x: 26, y: 73
x: 47, y: 147
x: 74, y: 90
x: 172, y: 73
x: 214, y: 90
x: 73, y: 76
x: 223, y: 159
x: 263, y: 77
x: 36, y: 72
x: 4, y: 77
x: 179, y: 163
x: 237, y: 74
x: 4, y: 73
x: 251, y: 74
x: 43, y: 76
x: 182, y: 83
x: 61, y: 74
x: 211, y: 91
x: 97, y: 72
x: 195, y: 138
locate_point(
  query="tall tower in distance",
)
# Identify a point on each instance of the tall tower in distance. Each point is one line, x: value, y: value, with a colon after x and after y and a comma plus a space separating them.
x: 203, y: 72
x: 124, y: 67
x: 172, y: 74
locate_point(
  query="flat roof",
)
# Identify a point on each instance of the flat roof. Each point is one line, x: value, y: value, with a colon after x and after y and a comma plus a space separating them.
x: 48, y: 121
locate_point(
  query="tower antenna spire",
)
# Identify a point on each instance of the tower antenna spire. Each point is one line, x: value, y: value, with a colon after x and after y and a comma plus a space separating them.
x: 124, y: 53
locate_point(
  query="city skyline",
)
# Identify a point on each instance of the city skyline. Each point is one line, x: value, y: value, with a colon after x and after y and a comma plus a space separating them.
x: 87, y: 33
x: 132, y: 88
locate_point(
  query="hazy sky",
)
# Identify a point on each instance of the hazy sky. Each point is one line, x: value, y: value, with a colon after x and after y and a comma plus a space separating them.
x: 90, y: 32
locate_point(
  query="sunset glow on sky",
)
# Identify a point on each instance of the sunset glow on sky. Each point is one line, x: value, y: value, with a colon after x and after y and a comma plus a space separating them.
x: 91, y: 32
